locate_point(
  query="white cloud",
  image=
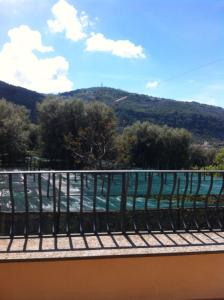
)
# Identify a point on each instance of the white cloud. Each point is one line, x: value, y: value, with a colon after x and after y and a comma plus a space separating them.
x: 20, y: 65
x: 122, y: 48
x: 152, y: 84
x: 25, y: 39
x: 66, y: 19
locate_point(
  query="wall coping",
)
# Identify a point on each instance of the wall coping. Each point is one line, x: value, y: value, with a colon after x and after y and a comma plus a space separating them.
x: 104, y: 245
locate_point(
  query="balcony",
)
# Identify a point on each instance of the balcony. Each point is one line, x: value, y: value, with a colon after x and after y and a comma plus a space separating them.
x: 112, y: 235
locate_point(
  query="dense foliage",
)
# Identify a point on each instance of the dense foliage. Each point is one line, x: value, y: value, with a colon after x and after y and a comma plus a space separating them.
x: 57, y: 119
x: 144, y: 145
x: 94, y: 143
x: 21, y: 96
x: 218, y: 161
x: 73, y: 131
x: 201, y: 155
x: 14, y: 132
x: 87, y: 135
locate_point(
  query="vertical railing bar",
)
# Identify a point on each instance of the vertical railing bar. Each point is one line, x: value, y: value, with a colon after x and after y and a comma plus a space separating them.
x: 206, y: 200
x: 86, y: 181
x: 178, y: 203
x: 171, y: 201
x: 95, y: 210
x: 102, y: 183
x: 59, y: 202
x: 108, y: 207
x: 178, y: 192
x: 40, y: 205
x: 48, y: 184
x: 68, y: 203
x: 191, y: 183
x: 134, y: 201
x: 159, y: 199
x: 12, y: 205
x: 123, y: 203
x: 160, y: 190
x: 54, y: 207
x: 127, y: 182
x: 94, y: 201
x: 209, y: 190
x: 198, y: 186
x: 108, y: 201
x: 26, y: 230
x: 82, y: 178
x: 194, y: 200
x: 165, y: 178
x: 148, y: 193
x: 173, y: 190
x: 183, y: 199
x: 145, y: 175
x: 220, y: 192
x: 218, y: 202
x: 149, y: 187
x: 81, y: 203
x: 185, y: 190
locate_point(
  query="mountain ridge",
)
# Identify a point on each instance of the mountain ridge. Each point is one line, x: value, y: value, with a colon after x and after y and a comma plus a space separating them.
x: 21, y: 96
x: 203, y: 120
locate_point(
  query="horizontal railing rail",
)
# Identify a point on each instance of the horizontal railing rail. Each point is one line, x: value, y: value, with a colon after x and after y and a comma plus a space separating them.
x: 111, y: 171
x: 54, y: 202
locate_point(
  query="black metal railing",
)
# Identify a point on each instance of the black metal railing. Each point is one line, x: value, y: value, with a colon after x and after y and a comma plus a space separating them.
x: 54, y: 202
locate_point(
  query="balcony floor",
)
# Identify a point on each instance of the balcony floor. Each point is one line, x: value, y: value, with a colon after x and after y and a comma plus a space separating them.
x: 110, y: 245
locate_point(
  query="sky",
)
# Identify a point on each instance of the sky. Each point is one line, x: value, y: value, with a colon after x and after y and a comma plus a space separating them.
x: 164, y: 48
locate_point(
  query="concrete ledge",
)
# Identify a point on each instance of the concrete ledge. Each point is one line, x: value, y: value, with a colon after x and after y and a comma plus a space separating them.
x: 109, y: 245
x: 134, y: 267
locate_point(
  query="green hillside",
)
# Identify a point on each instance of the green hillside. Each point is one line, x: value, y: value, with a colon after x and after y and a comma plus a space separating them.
x: 21, y: 96
x: 204, y: 121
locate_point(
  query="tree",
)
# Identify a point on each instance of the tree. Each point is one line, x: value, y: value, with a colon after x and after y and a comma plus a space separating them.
x: 94, y: 142
x: 57, y: 119
x: 82, y: 134
x: 14, y: 132
x: 176, y: 148
x: 219, y: 158
x: 201, y: 156
x: 137, y: 146
x: 145, y: 145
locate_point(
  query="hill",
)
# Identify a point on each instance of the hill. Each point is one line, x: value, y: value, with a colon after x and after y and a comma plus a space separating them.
x: 204, y: 121
x: 21, y: 96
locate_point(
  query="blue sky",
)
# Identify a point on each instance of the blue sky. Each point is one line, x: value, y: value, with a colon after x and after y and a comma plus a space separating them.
x: 165, y: 48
